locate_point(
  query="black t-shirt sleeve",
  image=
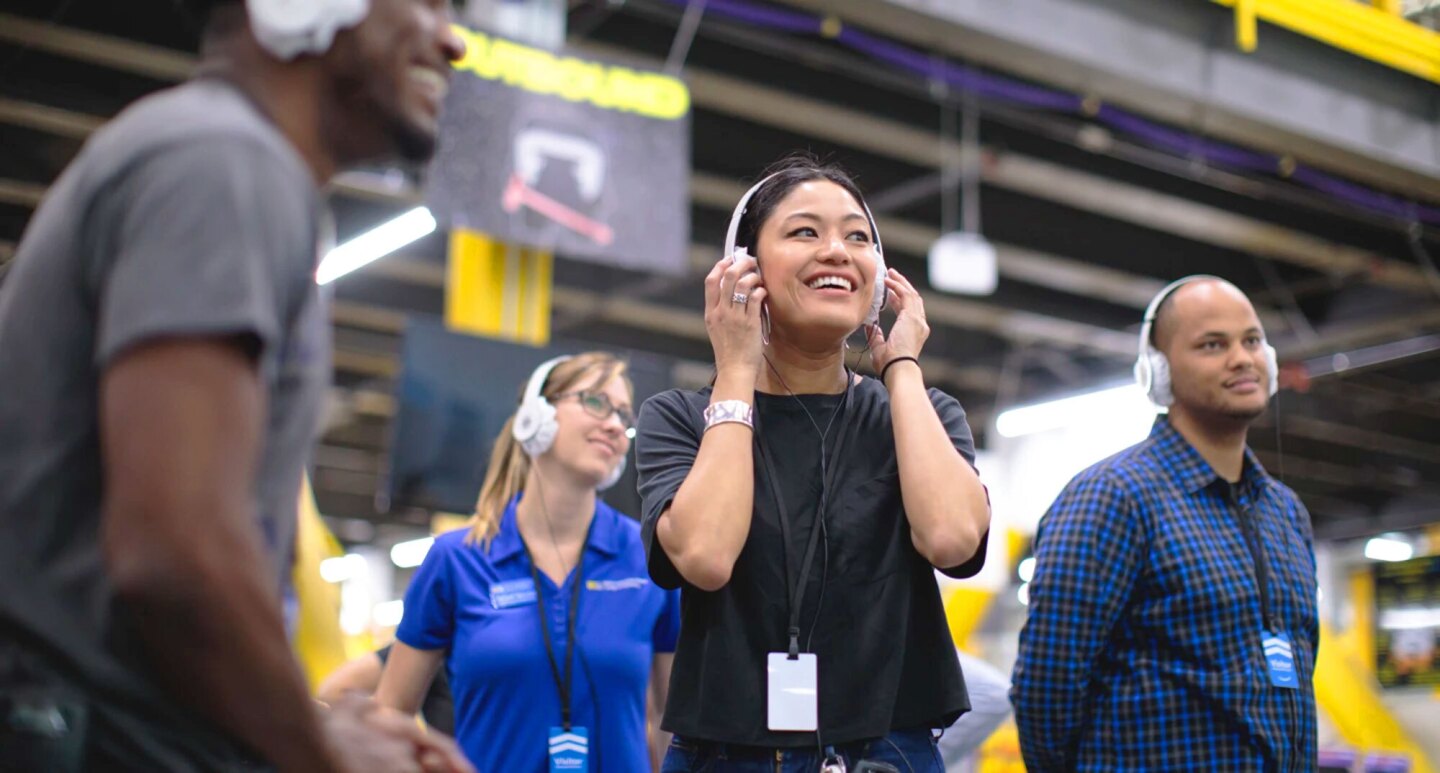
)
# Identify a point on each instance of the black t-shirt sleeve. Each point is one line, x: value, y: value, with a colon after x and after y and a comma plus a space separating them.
x: 952, y: 415
x: 666, y: 442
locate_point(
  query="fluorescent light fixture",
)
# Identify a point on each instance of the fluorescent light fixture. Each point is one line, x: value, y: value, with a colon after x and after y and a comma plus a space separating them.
x: 355, y: 608
x: 375, y: 244
x: 1026, y: 569
x: 411, y: 553
x: 1024, y: 594
x: 1410, y: 619
x: 388, y: 613
x: 1030, y: 419
x: 1389, y: 547
x: 342, y: 568
x: 963, y: 262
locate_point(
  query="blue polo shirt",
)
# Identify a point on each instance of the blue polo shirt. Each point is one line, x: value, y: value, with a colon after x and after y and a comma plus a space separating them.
x: 480, y: 605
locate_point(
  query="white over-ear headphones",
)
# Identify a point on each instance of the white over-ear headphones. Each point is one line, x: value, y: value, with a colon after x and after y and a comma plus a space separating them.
x: 1152, y: 370
x: 881, y: 291
x: 290, y: 28
x: 534, y: 426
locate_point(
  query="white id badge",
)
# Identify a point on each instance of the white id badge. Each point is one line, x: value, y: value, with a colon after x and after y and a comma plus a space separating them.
x: 793, y: 697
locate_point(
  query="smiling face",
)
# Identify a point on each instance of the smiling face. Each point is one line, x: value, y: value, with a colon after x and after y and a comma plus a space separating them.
x: 1213, y: 341
x: 391, y: 73
x: 818, y: 260
x: 588, y: 446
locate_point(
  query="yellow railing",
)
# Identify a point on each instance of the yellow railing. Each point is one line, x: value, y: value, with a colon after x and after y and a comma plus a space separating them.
x: 1345, y: 686
x: 1376, y: 32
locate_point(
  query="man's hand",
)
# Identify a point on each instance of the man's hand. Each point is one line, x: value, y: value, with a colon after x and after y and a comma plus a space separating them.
x: 365, y: 737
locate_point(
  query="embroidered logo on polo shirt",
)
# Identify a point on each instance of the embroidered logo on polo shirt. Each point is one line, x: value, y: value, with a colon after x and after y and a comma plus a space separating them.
x: 624, y: 583
x: 512, y: 593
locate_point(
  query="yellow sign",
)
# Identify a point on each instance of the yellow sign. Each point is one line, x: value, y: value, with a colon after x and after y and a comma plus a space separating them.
x: 498, y: 290
x: 607, y: 86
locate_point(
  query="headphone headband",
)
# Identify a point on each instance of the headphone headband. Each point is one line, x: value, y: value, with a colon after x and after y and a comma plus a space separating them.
x: 880, y: 293
x: 291, y: 28
x: 537, y: 379
x: 1152, y: 369
x: 733, y: 231
x: 534, y: 426
x: 1148, y: 321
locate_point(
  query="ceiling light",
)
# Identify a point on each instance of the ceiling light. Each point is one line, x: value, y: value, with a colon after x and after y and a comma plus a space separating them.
x: 342, y: 568
x: 411, y: 553
x: 375, y: 244
x: 1029, y: 419
x: 388, y: 614
x: 1389, y: 547
x: 1026, y: 569
x: 963, y: 262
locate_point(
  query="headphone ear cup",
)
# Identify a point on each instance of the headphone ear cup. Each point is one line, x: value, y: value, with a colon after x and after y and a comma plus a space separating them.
x: 614, y: 476
x: 288, y: 29
x: 1160, y: 392
x: 881, y: 292
x: 1272, y: 368
x: 1143, y: 374
x: 535, y: 427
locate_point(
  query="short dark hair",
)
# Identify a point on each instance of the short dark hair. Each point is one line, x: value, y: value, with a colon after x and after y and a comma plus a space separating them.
x: 221, y: 18
x: 789, y: 172
x: 210, y: 20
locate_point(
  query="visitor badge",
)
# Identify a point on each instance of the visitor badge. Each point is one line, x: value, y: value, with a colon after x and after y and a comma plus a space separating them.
x: 793, y: 699
x: 1280, y: 659
x: 569, y: 750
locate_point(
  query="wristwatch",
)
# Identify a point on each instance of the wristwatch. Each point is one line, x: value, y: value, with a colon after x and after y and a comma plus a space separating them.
x: 729, y: 412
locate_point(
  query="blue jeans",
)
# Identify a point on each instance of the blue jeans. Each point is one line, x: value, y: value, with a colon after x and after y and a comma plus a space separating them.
x: 910, y: 751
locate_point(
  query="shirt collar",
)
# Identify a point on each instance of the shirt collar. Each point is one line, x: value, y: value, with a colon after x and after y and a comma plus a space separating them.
x: 604, y: 535
x: 1190, y: 468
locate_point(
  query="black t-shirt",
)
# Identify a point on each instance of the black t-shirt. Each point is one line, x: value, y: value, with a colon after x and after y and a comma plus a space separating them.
x: 885, y: 657
x: 438, y: 707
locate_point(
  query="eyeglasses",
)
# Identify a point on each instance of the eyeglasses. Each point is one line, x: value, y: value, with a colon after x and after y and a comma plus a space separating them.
x: 598, y: 404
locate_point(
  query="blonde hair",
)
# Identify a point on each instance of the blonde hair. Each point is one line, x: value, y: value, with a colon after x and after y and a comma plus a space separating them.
x: 509, y: 465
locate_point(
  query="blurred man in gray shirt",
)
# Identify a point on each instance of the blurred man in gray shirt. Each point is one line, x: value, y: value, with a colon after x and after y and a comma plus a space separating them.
x: 165, y: 355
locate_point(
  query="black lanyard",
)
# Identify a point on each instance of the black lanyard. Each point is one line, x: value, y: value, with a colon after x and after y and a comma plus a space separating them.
x: 795, y: 587
x: 563, y: 686
x: 1251, y: 529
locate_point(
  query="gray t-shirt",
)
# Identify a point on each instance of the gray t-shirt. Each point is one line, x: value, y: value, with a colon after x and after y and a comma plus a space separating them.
x: 189, y: 214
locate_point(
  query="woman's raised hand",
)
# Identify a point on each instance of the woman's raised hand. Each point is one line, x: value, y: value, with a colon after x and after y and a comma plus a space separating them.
x: 734, y: 296
x: 908, y: 334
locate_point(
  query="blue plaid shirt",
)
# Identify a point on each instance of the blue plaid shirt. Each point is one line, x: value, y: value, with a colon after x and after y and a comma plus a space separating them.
x: 1142, y: 650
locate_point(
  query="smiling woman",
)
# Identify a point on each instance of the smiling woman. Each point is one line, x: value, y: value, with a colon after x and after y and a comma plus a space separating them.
x: 742, y: 482
x: 499, y: 602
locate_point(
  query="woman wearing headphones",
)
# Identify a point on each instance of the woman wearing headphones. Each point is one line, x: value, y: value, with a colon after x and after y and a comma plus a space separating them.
x: 557, y: 642
x: 803, y: 509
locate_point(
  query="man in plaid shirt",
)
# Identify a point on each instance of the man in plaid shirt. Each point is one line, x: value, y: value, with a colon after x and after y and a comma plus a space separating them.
x: 1172, y: 619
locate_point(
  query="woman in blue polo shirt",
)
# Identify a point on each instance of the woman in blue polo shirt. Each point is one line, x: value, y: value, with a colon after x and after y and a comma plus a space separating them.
x: 554, y: 638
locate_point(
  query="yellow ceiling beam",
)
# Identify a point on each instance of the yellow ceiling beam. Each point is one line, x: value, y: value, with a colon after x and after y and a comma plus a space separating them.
x: 1373, y: 32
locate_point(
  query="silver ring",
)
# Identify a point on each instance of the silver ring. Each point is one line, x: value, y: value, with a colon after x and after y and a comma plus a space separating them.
x: 740, y: 298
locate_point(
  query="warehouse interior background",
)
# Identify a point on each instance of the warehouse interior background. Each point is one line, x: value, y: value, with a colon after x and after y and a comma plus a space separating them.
x: 1091, y: 151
